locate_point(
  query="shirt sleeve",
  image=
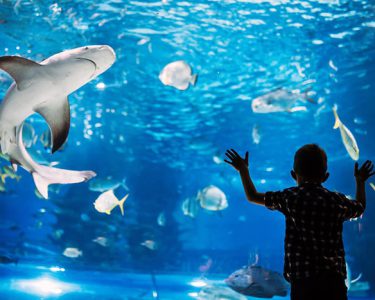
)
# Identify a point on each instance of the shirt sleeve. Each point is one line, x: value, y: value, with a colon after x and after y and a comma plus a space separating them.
x: 350, y: 208
x: 275, y: 201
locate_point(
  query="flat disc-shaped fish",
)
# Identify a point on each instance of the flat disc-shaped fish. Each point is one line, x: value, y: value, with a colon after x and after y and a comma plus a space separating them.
x: 212, y: 198
x: 177, y: 74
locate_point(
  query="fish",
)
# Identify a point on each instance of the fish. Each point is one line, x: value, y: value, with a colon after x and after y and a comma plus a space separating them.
x: 9, y: 172
x: 8, y: 260
x: 46, y: 140
x: 212, y: 198
x: 44, y: 88
x: 72, y: 252
x: 347, y: 137
x: 161, y: 219
x: 150, y: 244
x: 29, y: 136
x: 108, y: 201
x: 257, y: 282
x: 190, y: 207
x: 102, y: 241
x: 280, y: 100
x: 372, y: 185
x: 255, y: 134
x: 103, y: 185
x: 178, y: 74
x: 216, y: 292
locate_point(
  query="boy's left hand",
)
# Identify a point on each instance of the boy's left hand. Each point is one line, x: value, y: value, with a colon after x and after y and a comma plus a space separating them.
x: 236, y: 161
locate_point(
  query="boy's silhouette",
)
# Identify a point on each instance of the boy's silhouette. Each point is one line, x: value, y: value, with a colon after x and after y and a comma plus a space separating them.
x: 314, y: 261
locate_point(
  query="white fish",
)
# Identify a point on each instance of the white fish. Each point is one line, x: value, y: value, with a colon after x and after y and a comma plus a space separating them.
x: 43, y: 88
x: 108, y: 201
x: 29, y: 137
x: 372, y: 185
x: 72, y: 252
x: 102, y: 241
x: 346, y: 136
x: 177, y: 74
x: 280, y: 100
x: 255, y: 134
x: 212, y: 198
x: 161, y: 219
x: 190, y: 207
x: 150, y: 244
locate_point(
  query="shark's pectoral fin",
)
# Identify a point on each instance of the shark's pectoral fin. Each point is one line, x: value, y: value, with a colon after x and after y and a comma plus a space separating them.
x: 58, y: 119
x: 21, y: 69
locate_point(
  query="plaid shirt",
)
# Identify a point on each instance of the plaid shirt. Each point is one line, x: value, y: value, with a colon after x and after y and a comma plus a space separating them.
x: 314, y: 221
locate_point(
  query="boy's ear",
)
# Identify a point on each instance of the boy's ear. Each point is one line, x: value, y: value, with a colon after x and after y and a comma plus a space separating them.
x: 325, y: 177
x: 293, y: 174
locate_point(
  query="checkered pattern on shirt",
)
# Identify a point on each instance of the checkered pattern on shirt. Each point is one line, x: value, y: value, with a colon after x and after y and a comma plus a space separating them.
x: 314, y: 221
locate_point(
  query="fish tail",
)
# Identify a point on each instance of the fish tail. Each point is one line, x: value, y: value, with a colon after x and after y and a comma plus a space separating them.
x: 3, y: 177
x: 121, y: 204
x: 124, y: 185
x: 193, y: 79
x: 49, y: 176
x: 337, y: 119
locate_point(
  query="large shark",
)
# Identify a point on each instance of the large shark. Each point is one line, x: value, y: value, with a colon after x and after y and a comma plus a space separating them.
x: 43, y: 88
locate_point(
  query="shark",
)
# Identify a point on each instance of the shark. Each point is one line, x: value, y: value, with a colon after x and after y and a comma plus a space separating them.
x: 43, y: 88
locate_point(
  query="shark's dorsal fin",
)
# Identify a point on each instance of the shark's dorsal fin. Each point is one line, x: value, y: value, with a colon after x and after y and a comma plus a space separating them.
x: 58, y: 119
x: 21, y: 69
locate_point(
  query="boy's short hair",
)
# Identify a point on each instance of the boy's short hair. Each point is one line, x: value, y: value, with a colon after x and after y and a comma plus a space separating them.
x: 310, y: 162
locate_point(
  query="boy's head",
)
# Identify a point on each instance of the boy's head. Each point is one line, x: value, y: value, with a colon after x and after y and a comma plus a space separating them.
x: 310, y: 164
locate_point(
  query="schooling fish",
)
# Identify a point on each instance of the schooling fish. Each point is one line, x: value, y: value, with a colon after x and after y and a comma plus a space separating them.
x: 257, y: 282
x: 43, y: 88
x: 108, y: 201
x: 177, y: 74
x: 280, y: 100
x: 346, y: 136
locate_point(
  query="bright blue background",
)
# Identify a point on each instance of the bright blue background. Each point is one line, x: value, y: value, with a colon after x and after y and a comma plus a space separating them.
x: 163, y: 140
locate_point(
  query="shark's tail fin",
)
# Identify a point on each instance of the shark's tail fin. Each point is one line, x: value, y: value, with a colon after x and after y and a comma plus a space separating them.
x: 48, y: 175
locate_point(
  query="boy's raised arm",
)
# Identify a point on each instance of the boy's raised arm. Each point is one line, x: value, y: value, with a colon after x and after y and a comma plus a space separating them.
x: 242, y: 166
x: 361, y: 175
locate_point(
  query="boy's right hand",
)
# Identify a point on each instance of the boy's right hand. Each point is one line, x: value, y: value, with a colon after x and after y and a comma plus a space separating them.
x: 364, y: 172
x: 236, y: 161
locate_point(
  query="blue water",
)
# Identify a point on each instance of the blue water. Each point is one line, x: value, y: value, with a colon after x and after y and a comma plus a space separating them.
x: 169, y: 144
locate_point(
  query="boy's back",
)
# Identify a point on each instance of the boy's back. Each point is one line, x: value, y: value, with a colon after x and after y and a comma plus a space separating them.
x: 314, y: 261
x: 314, y: 222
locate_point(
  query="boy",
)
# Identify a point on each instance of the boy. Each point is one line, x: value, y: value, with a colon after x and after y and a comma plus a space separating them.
x: 314, y: 261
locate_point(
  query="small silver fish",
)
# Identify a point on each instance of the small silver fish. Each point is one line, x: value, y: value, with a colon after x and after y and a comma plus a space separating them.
x: 280, y: 100
x: 161, y: 219
x: 255, y: 134
x: 72, y: 252
x: 346, y: 136
x: 177, y: 74
x: 190, y: 207
x: 103, y: 185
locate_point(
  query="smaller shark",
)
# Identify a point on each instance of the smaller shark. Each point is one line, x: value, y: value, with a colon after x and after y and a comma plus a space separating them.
x: 43, y: 88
